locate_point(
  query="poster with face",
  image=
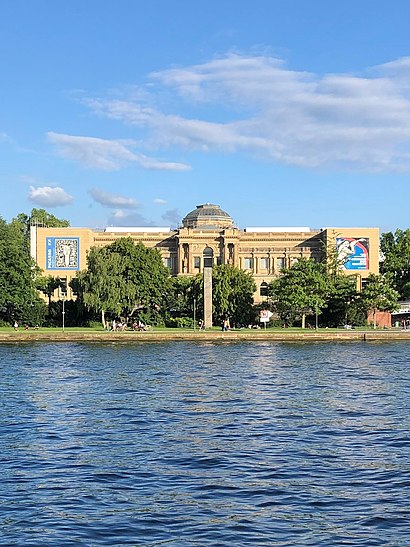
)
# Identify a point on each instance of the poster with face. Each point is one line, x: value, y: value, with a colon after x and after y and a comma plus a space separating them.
x: 63, y: 253
x: 353, y: 252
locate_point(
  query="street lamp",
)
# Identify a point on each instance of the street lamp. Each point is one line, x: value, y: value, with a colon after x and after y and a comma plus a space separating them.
x: 64, y: 294
x: 63, y: 311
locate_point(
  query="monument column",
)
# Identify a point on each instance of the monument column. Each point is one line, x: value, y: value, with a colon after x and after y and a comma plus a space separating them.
x: 208, y: 263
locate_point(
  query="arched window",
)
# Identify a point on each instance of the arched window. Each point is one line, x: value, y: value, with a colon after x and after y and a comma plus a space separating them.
x: 263, y: 289
x: 208, y: 257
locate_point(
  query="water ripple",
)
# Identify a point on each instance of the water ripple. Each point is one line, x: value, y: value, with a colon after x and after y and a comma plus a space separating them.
x: 205, y: 444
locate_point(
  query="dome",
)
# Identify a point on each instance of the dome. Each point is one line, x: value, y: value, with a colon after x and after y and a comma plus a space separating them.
x: 207, y: 216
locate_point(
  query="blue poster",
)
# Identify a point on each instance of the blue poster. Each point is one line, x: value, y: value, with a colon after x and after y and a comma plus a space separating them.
x: 62, y: 253
x: 353, y: 253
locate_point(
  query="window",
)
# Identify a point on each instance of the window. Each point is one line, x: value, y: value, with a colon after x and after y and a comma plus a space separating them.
x: 231, y: 253
x: 248, y: 263
x: 63, y: 286
x: 364, y: 283
x: 208, y: 257
x: 197, y: 262
x: 281, y: 263
x: 264, y: 289
x: 168, y: 262
x: 264, y: 263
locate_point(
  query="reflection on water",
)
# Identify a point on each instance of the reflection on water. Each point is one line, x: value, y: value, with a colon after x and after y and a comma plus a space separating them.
x: 205, y: 444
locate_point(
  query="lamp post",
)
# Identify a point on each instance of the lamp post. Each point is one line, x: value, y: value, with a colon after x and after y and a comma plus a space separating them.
x: 63, y: 311
x: 64, y: 294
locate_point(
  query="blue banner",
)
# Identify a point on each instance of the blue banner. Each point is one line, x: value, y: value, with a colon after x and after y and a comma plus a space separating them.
x: 62, y: 253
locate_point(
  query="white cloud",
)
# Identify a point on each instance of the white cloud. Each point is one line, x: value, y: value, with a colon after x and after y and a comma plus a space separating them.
x: 108, y: 199
x: 350, y: 121
x: 49, y: 196
x: 159, y: 201
x: 108, y: 155
x: 126, y: 218
x: 172, y: 216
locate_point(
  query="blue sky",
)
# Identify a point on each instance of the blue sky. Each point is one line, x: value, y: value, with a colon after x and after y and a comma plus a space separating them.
x: 283, y: 112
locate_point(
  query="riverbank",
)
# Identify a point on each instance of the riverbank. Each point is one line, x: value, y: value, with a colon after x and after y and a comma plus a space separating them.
x: 173, y: 335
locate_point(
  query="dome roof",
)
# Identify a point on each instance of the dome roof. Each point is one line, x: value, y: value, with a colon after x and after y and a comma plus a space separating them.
x: 207, y: 216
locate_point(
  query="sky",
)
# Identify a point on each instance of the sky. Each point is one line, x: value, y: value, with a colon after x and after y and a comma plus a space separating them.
x: 133, y: 112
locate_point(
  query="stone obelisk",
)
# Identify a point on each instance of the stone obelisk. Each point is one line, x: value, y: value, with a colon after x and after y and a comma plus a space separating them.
x: 208, y: 263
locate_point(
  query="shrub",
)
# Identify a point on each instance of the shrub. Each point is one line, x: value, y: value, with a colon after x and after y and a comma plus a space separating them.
x: 180, y: 322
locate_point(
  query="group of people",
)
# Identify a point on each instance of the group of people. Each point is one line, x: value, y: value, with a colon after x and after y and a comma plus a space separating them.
x: 405, y: 324
x: 26, y: 327
x: 118, y: 325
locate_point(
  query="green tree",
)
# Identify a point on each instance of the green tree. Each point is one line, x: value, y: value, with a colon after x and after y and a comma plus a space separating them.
x: 232, y: 294
x: 395, y: 249
x: 100, y: 286
x: 341, y: 301
x: 146, y: 278
x: 123, y: 277
x: 44, y: 218
x: 300, y: 290
x: 19, y: 299
x: 182, y: 295
x: 40, y: 217
x: 47, y: 285
x: 379, y: 295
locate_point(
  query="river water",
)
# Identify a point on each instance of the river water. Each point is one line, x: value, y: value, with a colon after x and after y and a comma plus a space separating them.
x: 197, y: 444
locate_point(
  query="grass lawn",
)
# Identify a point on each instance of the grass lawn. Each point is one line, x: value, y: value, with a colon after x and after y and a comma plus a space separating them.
x: 165, y: 330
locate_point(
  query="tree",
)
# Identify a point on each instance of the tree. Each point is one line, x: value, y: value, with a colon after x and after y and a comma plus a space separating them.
x: 341, y: 301
x: 19, y: 299
x: 47, y: 285
x: 123, y: 277
x: 379, y: 295
x: 395, y: 249
x: 146, y: 279
x: 38, y: 217
x: 44, y: 218
x: 232, y: 294
x: 182, y: 295
x: 300, y: 290
x: 100, y: 286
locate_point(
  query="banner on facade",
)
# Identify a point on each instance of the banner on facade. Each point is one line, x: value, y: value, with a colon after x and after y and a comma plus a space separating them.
x: 62, y: 253
x: 353, y: 253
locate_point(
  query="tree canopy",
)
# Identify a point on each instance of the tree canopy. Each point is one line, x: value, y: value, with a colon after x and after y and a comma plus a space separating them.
x: 19, y: 299
x: 311, y: 288
x: 395, y: 251
x: 300, y: 290
x: 232, y: 291
x: 379, y: 295
x: 232, y: 294
x: 123, y: 277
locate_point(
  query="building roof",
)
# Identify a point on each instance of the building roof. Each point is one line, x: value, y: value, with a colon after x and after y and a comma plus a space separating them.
x: 137, y: 229
x: 280, y: 229
x: 207, y: 215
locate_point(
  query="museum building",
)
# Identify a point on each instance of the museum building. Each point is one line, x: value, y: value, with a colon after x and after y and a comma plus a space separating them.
x: 211, y: 232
